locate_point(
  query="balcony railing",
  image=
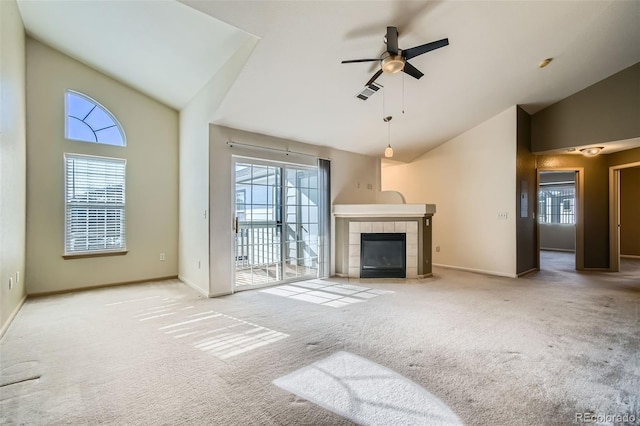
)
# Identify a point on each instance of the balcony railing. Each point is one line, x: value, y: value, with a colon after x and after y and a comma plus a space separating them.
x: 258, y: 250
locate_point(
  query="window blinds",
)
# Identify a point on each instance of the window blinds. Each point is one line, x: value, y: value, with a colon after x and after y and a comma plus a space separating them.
x: 94, y: 204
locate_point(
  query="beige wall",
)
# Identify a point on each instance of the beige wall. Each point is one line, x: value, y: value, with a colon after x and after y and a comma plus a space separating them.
x: 470, y: 179
x: 604, y: 112
x: 152, y: 176
x: 193, y: 246
x: 351, y: 175
x: 12, y: 160
x: 630, y: 212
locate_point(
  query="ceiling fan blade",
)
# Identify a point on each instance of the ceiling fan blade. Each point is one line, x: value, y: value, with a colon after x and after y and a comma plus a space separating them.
x: 392, y: 40
x: 419, y: 50
x: 412, y: 71
x: 352, y: 61
x: 372, y: 79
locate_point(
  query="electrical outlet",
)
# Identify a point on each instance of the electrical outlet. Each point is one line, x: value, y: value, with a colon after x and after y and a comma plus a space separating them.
x: 162, y: 256
x: 358, y: 185
x: 369, y: 186
x: 502, y: 215
x: 437, y: 249
x: 10, y: 283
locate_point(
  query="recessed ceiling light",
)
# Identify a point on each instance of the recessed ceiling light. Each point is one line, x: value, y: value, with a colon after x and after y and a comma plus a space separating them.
x: 545, y: 62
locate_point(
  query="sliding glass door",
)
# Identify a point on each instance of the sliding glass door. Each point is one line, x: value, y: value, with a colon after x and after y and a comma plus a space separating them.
x: 276, y: 223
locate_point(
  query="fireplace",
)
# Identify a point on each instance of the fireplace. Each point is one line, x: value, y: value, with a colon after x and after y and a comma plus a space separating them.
x: 412, y: 220
x: 383, y: 255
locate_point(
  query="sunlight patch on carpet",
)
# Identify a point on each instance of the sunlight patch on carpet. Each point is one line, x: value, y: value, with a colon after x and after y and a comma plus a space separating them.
x: 366, y: 393
x: 326, y: 293
x: 214, y: 333
x: 132, y: 300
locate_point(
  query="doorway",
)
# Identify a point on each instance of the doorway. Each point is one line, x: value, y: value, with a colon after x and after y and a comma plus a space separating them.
x: 276, y: 223
x: 624, y: 231
x: 559, y: 220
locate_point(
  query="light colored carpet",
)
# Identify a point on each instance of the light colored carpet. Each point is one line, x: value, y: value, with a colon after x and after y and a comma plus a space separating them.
x: 491, y: 350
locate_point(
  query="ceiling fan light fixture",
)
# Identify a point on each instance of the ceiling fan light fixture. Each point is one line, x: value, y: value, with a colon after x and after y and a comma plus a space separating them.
x: 591, y: 151
x: 393, y: 64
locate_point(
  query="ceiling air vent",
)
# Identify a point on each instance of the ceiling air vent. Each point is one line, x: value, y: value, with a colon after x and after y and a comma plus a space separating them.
x: 368, y: 91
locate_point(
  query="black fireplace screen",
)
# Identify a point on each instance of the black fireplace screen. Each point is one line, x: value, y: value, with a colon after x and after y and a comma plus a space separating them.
x: 383, y: 255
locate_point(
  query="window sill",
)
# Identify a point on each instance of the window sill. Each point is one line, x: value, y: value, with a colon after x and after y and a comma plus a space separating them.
x: 96, y: 254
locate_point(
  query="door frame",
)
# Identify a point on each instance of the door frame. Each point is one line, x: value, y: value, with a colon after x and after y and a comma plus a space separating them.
x: 614, y: 214
x: 579, y: 191
x: 261, y: 162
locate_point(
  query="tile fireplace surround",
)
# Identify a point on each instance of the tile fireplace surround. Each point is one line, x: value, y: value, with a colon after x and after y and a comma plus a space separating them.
x: 414, y: 220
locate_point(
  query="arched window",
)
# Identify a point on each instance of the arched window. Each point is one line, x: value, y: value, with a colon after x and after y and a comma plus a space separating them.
x: 88, y: 121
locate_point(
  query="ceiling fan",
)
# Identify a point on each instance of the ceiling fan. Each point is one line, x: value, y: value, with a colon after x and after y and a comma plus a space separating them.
x: 395, y: 60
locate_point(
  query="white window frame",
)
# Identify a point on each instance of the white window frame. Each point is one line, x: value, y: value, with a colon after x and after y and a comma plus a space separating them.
x: 114, y: 237
x: 97, y: 105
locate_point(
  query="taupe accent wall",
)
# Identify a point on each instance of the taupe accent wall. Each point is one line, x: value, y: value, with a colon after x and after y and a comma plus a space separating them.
x: 596, y: 203
x: 604, y: 112
x: 596, y: 198
x: 526, y: 238
x: 624, y: 157
x: 152, y: 176
x: 630, y: 212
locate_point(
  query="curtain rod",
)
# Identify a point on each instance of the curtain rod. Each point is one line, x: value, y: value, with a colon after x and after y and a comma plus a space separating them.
x: 231, y: 144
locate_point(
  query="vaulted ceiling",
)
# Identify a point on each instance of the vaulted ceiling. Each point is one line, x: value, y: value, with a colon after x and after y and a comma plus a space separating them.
x: 294, y: 86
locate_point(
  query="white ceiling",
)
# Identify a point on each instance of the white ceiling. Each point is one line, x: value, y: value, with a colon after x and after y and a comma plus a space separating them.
x: 162, y: 48
x: 293, y: 85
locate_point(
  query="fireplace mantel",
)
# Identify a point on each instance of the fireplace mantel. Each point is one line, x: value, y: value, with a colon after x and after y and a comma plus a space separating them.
x: 383, y: 210
x: 413, y: 220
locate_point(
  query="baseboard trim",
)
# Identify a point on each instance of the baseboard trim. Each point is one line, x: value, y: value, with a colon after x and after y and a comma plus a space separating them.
x: 95, y: 287
x: 224, y: 293
x: 521, y: 274
x: 630, y: 256
x: 478, y: 271
x: 12, y: 316
x: 194, y: 286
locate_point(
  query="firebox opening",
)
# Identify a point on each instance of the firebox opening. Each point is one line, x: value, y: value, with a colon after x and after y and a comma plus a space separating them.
x: 383, y: 255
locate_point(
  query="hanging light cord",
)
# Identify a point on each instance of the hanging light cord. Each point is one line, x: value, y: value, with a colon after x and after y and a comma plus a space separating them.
x: 389, y: 132
x: 403, y: 93
x: 384, y: 97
